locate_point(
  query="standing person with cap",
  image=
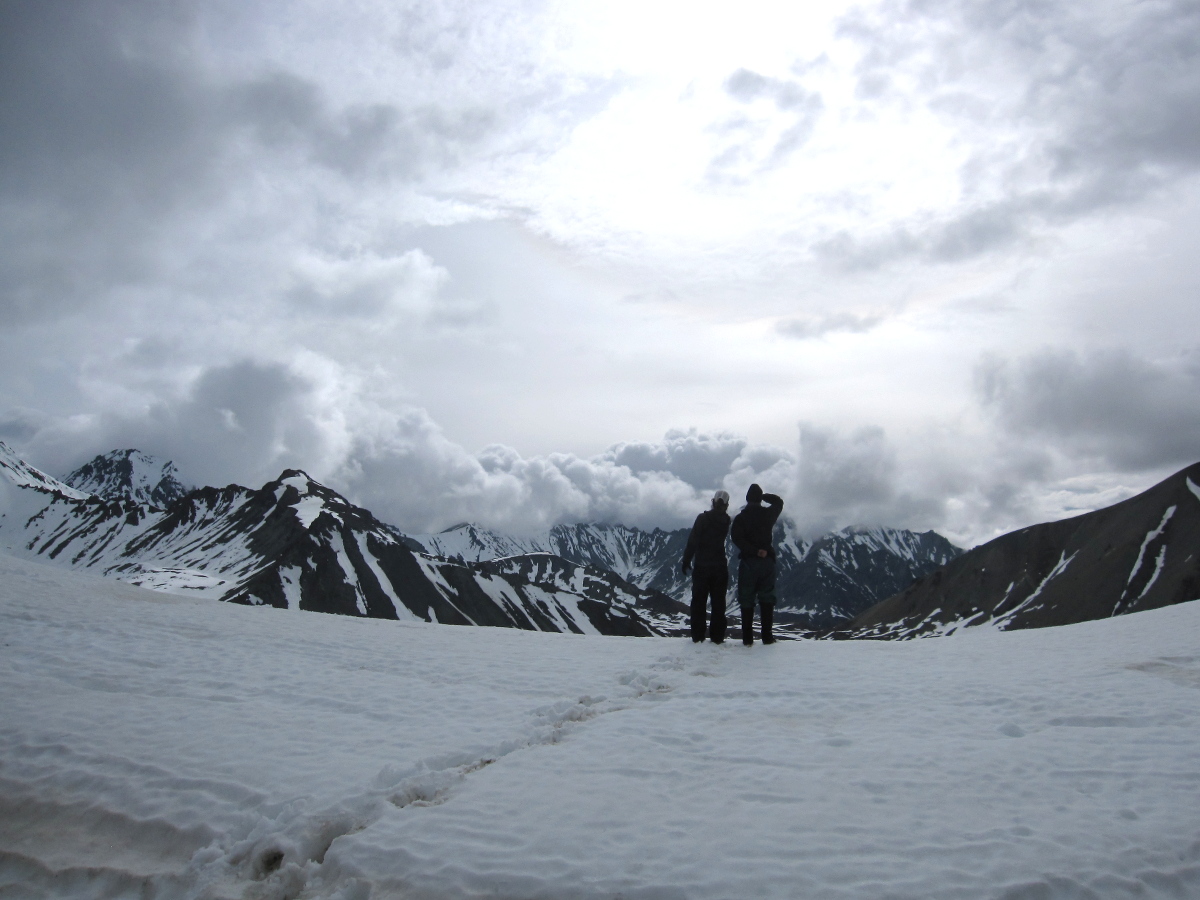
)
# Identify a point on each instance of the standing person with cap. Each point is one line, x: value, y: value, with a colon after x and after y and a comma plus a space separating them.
x: 706, y: 545
x: 752, y: 530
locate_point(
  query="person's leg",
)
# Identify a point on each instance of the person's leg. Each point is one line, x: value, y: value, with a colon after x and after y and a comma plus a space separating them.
x: 768, y: 622
x: 766, y: 599
x: 745, y: 592
x: 720, y: 585
x: 699, y: 590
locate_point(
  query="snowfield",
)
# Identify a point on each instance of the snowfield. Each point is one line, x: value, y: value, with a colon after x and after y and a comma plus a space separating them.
x: 161, y: 746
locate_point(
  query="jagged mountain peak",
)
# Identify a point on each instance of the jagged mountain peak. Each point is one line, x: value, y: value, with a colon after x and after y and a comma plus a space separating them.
x: 311, y: 499
x: 130, y: 474
x: 898, y: 541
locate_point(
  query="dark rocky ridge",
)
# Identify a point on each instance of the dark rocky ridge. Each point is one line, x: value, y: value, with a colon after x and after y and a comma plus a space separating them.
x: 1142, y: 553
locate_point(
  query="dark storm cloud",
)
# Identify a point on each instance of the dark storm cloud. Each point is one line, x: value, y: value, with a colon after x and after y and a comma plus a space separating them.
x: 117, y: 147
x: 96, y: 146
x: 1133, y: 413
x: 240, y: 422
x: 1103, y: 100
x: 854, y: 478
x: 19, y: 426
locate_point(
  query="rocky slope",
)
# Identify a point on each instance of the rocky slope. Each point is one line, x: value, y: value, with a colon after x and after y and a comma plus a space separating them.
x: 1139, y: 554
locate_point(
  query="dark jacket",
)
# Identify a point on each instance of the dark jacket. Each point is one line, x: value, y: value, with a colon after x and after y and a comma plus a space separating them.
x: 706, y: 543
x: 752, y: 527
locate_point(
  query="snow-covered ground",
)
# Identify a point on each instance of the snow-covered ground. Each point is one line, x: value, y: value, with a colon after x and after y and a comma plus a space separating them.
x: 159, y: 746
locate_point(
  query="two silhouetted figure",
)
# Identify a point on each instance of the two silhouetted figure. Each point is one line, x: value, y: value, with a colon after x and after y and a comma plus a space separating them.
x: 751, y: 533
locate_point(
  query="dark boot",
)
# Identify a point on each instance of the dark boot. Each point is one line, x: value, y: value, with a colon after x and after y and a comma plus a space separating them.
x: 768, y: 620
x: 747, y: 625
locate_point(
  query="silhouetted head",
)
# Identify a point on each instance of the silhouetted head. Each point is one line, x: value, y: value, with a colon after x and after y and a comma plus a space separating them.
x: 720, y: 500
x: 754, y: 495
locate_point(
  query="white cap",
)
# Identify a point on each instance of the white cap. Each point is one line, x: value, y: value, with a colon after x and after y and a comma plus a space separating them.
x: 723, y: 496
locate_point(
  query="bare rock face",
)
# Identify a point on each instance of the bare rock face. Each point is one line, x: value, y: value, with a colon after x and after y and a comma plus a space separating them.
x: 1139, y: 554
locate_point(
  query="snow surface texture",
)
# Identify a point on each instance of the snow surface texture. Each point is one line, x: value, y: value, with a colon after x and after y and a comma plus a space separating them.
x: 160, y: 746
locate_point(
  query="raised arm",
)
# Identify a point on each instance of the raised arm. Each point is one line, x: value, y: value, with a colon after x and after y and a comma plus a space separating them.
x: 774, y: 506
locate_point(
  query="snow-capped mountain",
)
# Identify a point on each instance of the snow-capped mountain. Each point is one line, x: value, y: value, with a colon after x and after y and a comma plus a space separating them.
x: 132, y: 474
x: 818, y: 584
x: 648, y: 559
x: 229, y: 543
x: 297, y: 544
x: 1139, y: 554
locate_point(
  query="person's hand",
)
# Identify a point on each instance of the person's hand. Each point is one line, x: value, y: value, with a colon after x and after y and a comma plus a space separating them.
x: 762, y: 554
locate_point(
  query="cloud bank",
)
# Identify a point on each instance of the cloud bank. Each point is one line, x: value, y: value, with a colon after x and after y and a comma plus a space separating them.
x: 925, y: 264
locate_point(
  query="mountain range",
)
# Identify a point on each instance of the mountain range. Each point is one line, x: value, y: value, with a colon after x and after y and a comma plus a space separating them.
x: 819, y: 584
x: 296, y: 544
x: 118, y: 514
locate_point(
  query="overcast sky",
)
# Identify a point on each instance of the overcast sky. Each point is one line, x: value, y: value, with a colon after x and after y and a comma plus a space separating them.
x: 923, y: 264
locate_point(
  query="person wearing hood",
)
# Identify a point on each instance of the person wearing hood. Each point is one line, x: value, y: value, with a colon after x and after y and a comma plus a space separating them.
x: 752, y: 531
x: 710, y: 581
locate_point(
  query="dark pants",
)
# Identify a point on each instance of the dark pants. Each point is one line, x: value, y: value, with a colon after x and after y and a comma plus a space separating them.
x: 709, y: 582
x: 756, y: 584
